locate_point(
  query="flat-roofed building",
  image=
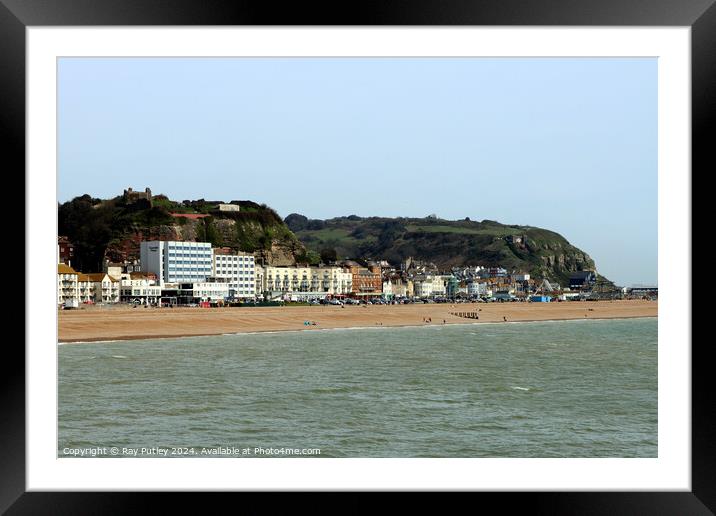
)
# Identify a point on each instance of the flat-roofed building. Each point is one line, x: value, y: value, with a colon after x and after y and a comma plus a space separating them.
x: 228, y: 207
x: 239, y: 270
x: 139, y: 287
x: 211, y: 290
x: 177, y: 262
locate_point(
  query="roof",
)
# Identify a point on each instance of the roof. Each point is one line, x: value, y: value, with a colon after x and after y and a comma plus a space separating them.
x: 99, y: 276
x: 141, y: 275
x: 63, y: 268
x: 189, y: 215
x: 581, y: 274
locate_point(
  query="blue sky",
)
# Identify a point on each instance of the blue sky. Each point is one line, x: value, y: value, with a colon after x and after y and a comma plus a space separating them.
x: 561, y: 143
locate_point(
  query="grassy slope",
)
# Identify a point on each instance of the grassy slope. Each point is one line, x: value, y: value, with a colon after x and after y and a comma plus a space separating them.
x: 447, y: 243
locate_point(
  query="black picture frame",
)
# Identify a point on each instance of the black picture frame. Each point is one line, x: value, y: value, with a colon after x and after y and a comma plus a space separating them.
x: 16, y: 15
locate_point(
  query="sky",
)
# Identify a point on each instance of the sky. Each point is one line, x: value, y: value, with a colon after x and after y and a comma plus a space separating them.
x: 567, y: 144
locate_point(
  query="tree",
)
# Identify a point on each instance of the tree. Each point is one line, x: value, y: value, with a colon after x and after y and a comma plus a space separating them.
x: 296, y: 221
x: 329, y: 255
x: 210, y: 233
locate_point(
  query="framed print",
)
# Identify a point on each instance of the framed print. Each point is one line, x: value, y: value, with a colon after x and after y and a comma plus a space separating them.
x: 274, y: 239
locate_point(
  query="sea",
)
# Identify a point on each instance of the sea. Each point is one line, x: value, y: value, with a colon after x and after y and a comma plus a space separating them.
x: 585, y: 388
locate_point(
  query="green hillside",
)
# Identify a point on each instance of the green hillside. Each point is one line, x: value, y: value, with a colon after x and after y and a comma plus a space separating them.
x: 446, y: 243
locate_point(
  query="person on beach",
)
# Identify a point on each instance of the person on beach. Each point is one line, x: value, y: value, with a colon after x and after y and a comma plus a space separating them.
x: 504, y: 318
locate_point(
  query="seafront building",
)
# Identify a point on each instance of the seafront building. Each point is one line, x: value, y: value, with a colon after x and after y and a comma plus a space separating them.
x: 105, y: 287
x: 429, y: 286
x: 85, y: 288
x: 177, y: 262
x: 306, y: 283
x: 178, y: 272
x: 77, y: 287
x: 66, y: 283
x: 397, y: 287
x: 366, y: 281
x: 238, y: 269
x: 478, y: 288
x: 212, y: 291
x: 139, y: 287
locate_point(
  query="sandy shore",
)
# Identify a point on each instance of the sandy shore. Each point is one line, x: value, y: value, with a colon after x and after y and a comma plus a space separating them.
x: 119, y: 323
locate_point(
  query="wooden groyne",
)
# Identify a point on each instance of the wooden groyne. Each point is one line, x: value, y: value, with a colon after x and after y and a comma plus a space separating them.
x: 466, y: 315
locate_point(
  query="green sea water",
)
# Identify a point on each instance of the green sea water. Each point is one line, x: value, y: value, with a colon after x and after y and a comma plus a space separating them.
x: 542, y: 389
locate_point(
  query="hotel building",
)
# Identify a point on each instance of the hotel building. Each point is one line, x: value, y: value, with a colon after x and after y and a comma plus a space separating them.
x: 366, y: 281
x: 177, y: 262
x: 309, y: 282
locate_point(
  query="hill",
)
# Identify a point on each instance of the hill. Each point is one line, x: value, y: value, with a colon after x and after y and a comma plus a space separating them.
x: 113, y: 228
x: 543, y: 253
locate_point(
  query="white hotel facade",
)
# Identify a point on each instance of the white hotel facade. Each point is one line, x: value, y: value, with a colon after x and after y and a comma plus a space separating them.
x: 177, y: 262
x: 306, y: 282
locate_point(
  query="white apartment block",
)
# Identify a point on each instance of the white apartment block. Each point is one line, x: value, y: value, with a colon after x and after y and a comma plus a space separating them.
x: 175, y: 262
x: 239, y: 270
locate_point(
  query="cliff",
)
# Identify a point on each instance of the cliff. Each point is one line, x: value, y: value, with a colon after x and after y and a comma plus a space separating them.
x: 113, y: 229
